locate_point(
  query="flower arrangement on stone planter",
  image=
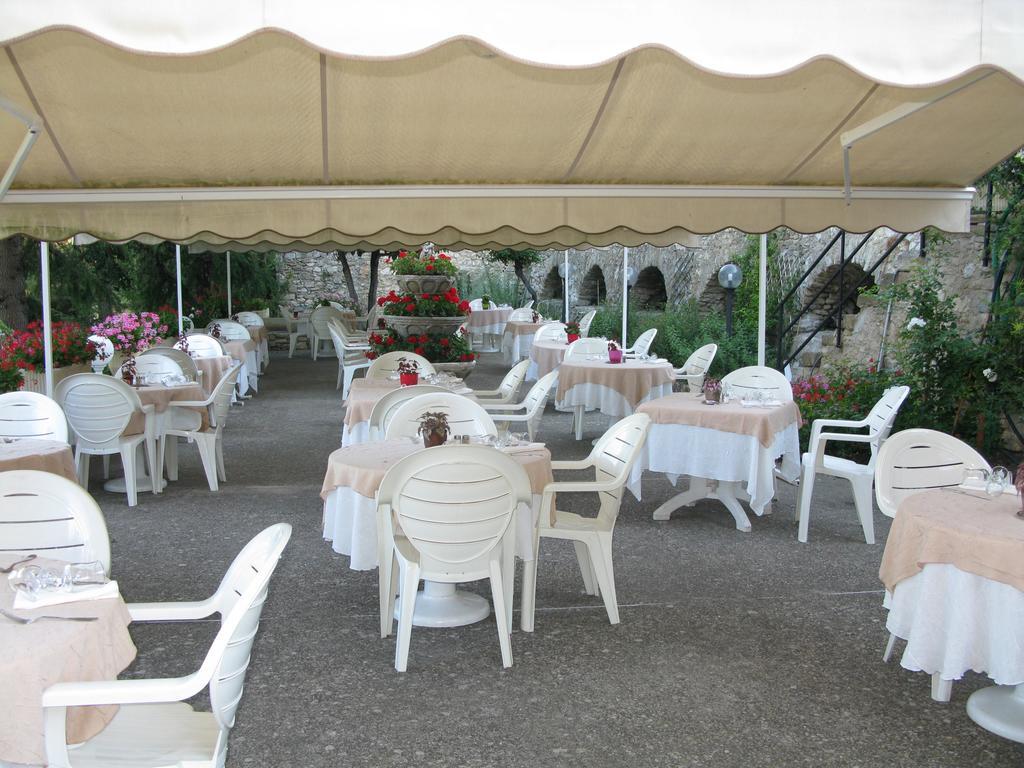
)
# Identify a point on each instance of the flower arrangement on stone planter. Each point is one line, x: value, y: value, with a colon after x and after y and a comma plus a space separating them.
x: 131, y: 333
x: 452, y: 348
x: 23, y: 352
x: 407, y: 263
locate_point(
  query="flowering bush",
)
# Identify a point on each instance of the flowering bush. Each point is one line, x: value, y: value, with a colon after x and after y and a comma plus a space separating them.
x: 24, y: 349
x: 407, y: 263
x: 10, y: 377
x: 424, y: 305
x: 168, y: 316
x: 436, y: 348
x: 131, y: 333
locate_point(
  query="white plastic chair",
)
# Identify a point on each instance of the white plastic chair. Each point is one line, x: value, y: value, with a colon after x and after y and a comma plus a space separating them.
x: 387, y: 364
x: 610, y: 461
x: 318, y: 329
x: 351, y: 358
x: 583, y: 347
x: 585, y: 322
x: 696, y: 367
x: 551, y: 332
x: 642, y: 345
x: 522, y: 315
x: 913, y: 461
x: 203, y: 345
x: 184, y: 360
x: 508, y: 388
x: 153, y: 725
x: 464, y: 416
x: 99, y: 409
x: 528, y: 305
x: 292, y: 326
x: 745, y: 381
x: 250, y: 319
x: 861, y: 476
x: 47, y: 513
x: 385, y: 407
x: 454, y: 506
x: 230, y: 330
x: 188, y: 423
x: 30, y: 414
x: 532, y: 406
x: 104, y: 351
x: 476, y: 304
x: 154, y: 365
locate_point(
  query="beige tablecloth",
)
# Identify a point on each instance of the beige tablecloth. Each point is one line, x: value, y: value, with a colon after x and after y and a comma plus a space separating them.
x: 239, y: 349
x: 36, y: 656
x: 258, y: 333
x: 160, y: 398
x: 43, y: 455
x: 213, y: 370
x: 518, y: 328
x: 688, y: 409
x: 632, y: 379
x: 976, y: 534
x: 362, y: 467
x: 547, y: 355
x: 496, y: 317
x: 362, y: 395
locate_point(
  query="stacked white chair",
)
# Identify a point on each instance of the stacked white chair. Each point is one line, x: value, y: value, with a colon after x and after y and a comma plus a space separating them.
x: 203, y: 345
x: 99, y: 409
x: 319, y: 335
x: 861, y: 476
x: 508, y: 388
x: 585, y: 322
x: 609, y: 463
x: 186, y: 422
x: 184, y: 360
x: 465, y: 417
x: 292, y: 326
x: 550, y: 332
x: 745, y: 381
x: 30, y: 414
x: 153, y: 725
x: 531, y: 409
x: 351, y: 358
x: 385, y: 407
x: 387, y: 365
x: 454, y: 506
x: 44, y: 512
x: 642, y: 345
x: 696, y: 367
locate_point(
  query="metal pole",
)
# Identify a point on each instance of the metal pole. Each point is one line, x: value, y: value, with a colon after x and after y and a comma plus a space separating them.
x: 565, y: 289
x: 730, y: 296
x: 44, y: 278
x: 229, y: 283
x: 842, y: 290
x: 625, y: 294
x: 762, y: 298
x: 177, y: 267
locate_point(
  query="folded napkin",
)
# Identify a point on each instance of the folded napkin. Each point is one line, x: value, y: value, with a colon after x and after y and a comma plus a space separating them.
x: 26, y: 602
x: 528, y: 448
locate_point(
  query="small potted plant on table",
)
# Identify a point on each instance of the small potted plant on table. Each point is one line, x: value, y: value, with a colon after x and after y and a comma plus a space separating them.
x: 485, y: 301
x: 408, y: 372
x: 434, y: 428
x: 614, y: 352
x: 712, y: 391
x: 572, y: 332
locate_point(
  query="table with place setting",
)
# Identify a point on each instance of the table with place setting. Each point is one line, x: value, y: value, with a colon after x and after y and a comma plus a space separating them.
x: 545, y: 356
x: 953, y: 569
x: 245, y: 352
x: 37, y: 453
x: 88, y: 640
x: 728, y: 450
x: 212, y: 370
x: 518, y: 338
x: 592, y: 382
x: 350, y: 521
x: 489, y: 323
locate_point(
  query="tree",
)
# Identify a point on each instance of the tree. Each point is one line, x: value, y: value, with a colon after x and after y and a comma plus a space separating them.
x: 346, y: 270
x: 12, y: 281
x: 521, y: 261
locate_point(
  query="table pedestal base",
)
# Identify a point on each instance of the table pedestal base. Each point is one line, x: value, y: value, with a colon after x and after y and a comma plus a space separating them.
x: 143, y: 483
x: 727, y: 492
x: 441, y: 605
x: 999, y: 709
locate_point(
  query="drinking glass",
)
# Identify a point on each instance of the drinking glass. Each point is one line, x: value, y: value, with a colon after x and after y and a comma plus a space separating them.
x: 90, y: 572
x: 1003, y: 476
x: 975, y: 477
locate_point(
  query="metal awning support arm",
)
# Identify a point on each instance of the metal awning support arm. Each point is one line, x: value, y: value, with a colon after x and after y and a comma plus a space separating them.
x: 35, y: 125
x: 848, y: 138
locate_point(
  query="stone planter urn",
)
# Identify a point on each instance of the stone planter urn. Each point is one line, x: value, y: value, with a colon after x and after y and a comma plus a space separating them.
x: 419, y: 284
x: 442, y: 326
x: 460, y: 369
x: 35, y: 381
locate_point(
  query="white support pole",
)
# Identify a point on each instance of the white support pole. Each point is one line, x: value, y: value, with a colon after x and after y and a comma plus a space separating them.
x: 625, y: 294
x: 177, y: 269
x: 762, y: 298
x: 229, y: 283
x: 565, y: 286
x: 44, y: 278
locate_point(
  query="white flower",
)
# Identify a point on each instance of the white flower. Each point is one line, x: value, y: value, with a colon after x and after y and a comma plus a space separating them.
x: 989, y: 374
x: 916, y: 322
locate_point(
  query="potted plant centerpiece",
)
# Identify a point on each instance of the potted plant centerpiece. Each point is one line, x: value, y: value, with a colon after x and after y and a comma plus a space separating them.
x: 572, y: 331
x: 408, y: 372
x: 485, y: 301
x: 434, y: 428
x: 535, y: 318
x: 614, y: 352
x: 712, y: 391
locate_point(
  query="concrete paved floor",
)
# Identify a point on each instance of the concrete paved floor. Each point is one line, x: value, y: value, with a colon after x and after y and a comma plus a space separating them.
x: 734, y: 649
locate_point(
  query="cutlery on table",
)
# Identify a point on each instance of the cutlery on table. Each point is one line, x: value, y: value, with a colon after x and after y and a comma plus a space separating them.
x: 32, y: 619
x: 16, y: 563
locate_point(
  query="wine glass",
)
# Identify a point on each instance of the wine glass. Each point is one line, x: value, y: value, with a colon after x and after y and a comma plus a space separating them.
x: 998, y: 480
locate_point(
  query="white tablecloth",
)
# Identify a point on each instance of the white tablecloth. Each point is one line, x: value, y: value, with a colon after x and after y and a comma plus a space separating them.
x: 350, y: 524
x: 515, y: 348
x: 954, y: 621
x: 357, y: 433
x: 676, y: 449
x: 594, y: 397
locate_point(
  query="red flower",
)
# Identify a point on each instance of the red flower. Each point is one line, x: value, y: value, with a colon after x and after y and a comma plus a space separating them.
x: 464, y: 306
x: 389, y: 340
x: 425, y: 296
x: 410, y: 307
x: 430, y: 267
x: 444, y: 256
x: 436, y: 297
x: 381, y: 301
x: 371, y: 355
x: 444, y: 343
x: 418, y: 350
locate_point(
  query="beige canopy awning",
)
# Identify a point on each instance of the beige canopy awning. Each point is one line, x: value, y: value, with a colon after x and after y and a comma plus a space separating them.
x: 528, y: 124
